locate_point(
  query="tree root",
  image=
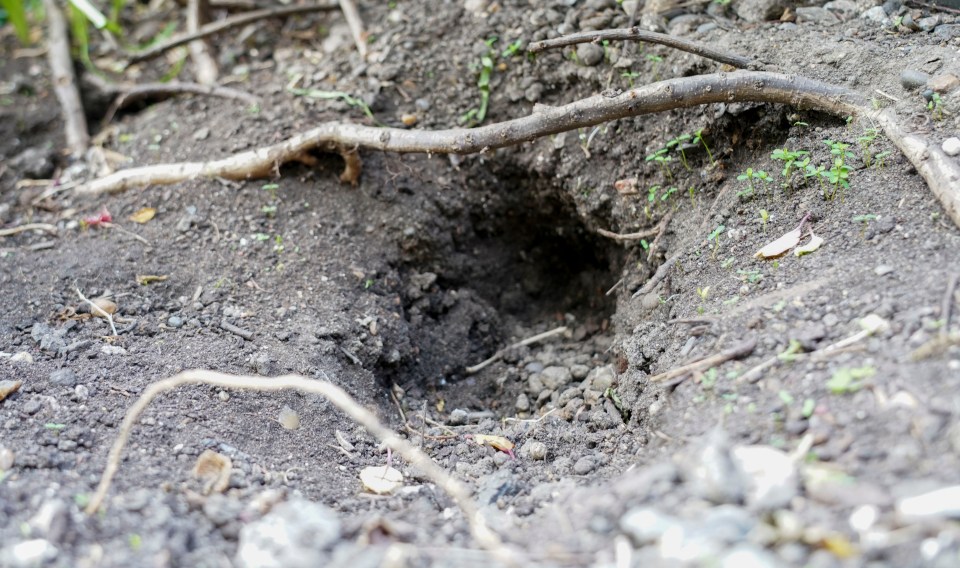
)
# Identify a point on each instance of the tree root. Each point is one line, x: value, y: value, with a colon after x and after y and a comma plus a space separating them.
x: 65, y: 80
x: 940, y: 173
x: 484, y: 537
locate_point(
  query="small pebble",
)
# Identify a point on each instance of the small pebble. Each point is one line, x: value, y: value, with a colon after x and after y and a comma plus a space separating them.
x: 175, y: 322
x: 534, y: 450
x: 589, y: 54
x: 912, y: 79
x: 21, y: 357
x: 63, y: 378
x: 289, y: 418
x: 458, y: 417
x: 951, y: 146
x: 584, y: 466
x: 883, y: 270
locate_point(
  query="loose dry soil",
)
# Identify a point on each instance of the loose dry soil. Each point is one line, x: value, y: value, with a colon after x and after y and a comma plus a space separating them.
x: 392, y: 288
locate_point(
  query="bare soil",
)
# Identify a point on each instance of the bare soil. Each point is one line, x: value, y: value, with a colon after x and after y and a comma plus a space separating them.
x: 432, y: 263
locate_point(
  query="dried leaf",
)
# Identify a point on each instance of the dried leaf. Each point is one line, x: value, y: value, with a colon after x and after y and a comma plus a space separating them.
x: 289, y: 418
x: 143, y: 215
x: 495, y: 442
x: 780, y: 246
x: 214, y: 470
x: 811, y: 246
x: 144, y: 279
x: 105, y: 305
x: 380, y: 479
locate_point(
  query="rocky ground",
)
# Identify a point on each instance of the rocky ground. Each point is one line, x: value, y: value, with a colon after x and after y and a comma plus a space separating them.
x: 832, y: 439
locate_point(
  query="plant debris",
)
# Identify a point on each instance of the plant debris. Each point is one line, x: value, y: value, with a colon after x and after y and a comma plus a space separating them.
x: 380, y: 479
x: 213, y: 469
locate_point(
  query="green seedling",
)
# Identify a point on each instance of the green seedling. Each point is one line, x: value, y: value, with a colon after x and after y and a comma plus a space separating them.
x: 751, y: 176
x: 800, y: 124
x: 709, y: 379
x: 585, y: 139
x: 838, y: 174
x: 621, y: 408
x: 935, y: 106
x: 752, y: 276
x: 727, y: 263
x: 764, y: 217
x: 630, y: 76
x: 789, y: 354
x: 667, y: 193
x: 678, y: 143
x: 269, y: 210
x: 698, y: 139
x: 661, y: 157
x: 880, y: 159
x: 849, y: 380
x: 652, y: 194
x: 704, y: 293
x: 809, y: 405
x: 272, y: 189
x: 656, y: 60
x: 786, y: 397
x: 817, y: 172
x: 865, y: 142
x: 715, y: 237
x: 693, y: 197
x: 512, y: 49
x: 790, y: 160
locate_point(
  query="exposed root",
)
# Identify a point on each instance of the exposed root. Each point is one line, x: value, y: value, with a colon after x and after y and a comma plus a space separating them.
x: 28, y: 227
x: 204, y: 63
x: 131, y: 94
x: 485, y: 537
x: 941, y: 173
x: 355, y: 23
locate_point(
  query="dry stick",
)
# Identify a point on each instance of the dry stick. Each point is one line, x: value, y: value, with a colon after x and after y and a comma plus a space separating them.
x: 528, y: 341
x: 339, y: 398
x: 65, y: 81
x: 661, y: 231
x: 736, y: 352
x: 128, y: 95
x: 946, y: 305
x: 204, y: 64
x: 28, y: 227
x: 636, y: 34
x: 352, y: 15
x: 223, y: 25
x: 626, y: 237
x: 941, y: 173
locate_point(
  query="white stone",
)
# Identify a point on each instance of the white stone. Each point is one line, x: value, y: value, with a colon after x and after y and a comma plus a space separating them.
x: 770, y: 476
x: 944, y: 502
x: 951, y: 146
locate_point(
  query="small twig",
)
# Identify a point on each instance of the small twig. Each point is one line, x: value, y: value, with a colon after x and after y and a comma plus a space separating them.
x: 65, y: 80
x: 622, y: 237
x: 128, y: 95
x: 883, y: 94
x: 658, y: 276
x: 946, y: 305
x: 531, y: 420
x: 636, y: 34
x: 528, y: 341
x: 614, y: 287
x: 204, y: 64
x: 99, y: 310
x: 122, y: 230
x: 28, y: 227
x: 485, y: 537
x: 736, y: 352
x: 226, y: 24
x: 227, y: 326
x: 352, y: 15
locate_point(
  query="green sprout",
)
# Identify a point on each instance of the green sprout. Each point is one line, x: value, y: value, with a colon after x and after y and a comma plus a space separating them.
x: 935, y: 106
x: 849, y: 380
x: 678, y: 143
x: 880, y: 159
x: 661, y: 157
x: 865, y: 141
x: 630, y: 76
x: 715, y: 237
x: 652, y: 194
x: 751, y: 176
x: 864, y: 220
x: 764, y: 217
x: 789, y: 159
x: 667, y: 193
x: 698, y: 139
x: 351, y: 101
x: 512, y: 49
x: 656, y: 60
x: 693, y: 197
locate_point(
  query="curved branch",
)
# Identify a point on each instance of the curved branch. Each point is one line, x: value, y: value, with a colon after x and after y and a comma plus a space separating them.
x: 636, y: 34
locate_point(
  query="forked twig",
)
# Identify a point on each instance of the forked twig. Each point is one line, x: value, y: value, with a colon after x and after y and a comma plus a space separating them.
x: 637, y: 34
x: 485, y: 537
x: 528, y: 341
x: 229, y: 23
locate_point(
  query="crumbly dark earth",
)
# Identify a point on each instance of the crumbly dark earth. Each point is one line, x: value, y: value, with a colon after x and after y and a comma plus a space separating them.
x: 390, y: 289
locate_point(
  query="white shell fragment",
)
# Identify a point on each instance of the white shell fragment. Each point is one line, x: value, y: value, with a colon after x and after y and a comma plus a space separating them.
x: 289, y: 418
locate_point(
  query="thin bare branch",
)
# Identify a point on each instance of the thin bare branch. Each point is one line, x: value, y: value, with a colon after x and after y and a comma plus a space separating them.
x: 736, y: 352
x: 485, y: 537
x: 28, y: 227
x: 65, y: 80
x: 204, y: 63
x: 129, y: 95
x: 637, y: 34
x: 226, y: 24
x: 528, y: 341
